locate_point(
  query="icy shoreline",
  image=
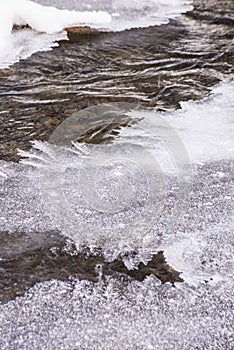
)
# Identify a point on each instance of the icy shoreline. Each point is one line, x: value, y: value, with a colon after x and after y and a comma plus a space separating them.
x: 49, y: 22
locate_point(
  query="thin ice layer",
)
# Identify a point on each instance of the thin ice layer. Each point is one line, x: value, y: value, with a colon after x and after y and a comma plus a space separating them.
x: 204, y: 127
x: 22, y: 44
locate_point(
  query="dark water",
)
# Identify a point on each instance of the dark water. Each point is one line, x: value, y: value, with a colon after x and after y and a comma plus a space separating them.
x: 156, y: 67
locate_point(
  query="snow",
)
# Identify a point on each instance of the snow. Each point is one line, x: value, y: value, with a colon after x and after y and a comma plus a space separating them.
x: 42, y: 19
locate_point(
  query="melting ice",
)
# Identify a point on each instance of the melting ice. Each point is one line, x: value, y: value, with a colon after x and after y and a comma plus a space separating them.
x: 205, y: 127
x: 44, y: 18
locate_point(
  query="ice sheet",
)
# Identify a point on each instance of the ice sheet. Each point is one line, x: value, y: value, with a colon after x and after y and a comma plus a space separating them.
x: 204, y: 127
x: 42, y: 19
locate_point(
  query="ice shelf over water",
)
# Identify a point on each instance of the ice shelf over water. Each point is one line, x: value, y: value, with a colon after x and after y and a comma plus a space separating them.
x: 127, y: 14
x: 205, y: 127
x: 105, y: 196
x: 119, y: 196
x: 49, y: 22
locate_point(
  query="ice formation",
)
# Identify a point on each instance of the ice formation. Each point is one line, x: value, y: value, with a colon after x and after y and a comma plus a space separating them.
x: 127, y: 14
x: 146, y: 316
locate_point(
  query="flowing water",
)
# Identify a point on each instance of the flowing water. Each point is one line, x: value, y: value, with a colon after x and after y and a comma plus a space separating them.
x: 116, y: 174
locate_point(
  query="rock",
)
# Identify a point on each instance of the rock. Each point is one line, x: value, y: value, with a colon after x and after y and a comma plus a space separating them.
x: 81, y: 30
x: 76, y: 33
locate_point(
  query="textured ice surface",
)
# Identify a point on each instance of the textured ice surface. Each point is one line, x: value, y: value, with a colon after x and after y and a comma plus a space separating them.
x: 201, y: 246
x: 21, y: 205
x: 135, y: 193
x: 78, y: 315
x: 205, y: 127
x: 108, y: 15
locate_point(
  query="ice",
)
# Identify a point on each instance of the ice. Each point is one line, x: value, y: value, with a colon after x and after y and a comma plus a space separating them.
x: 21, y: 205
x: 22, y: 44
x: 42, y: 19
x: 45, y: 18
x: 204, y: 127
x: 127, y: 14
x: 110, y: 196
